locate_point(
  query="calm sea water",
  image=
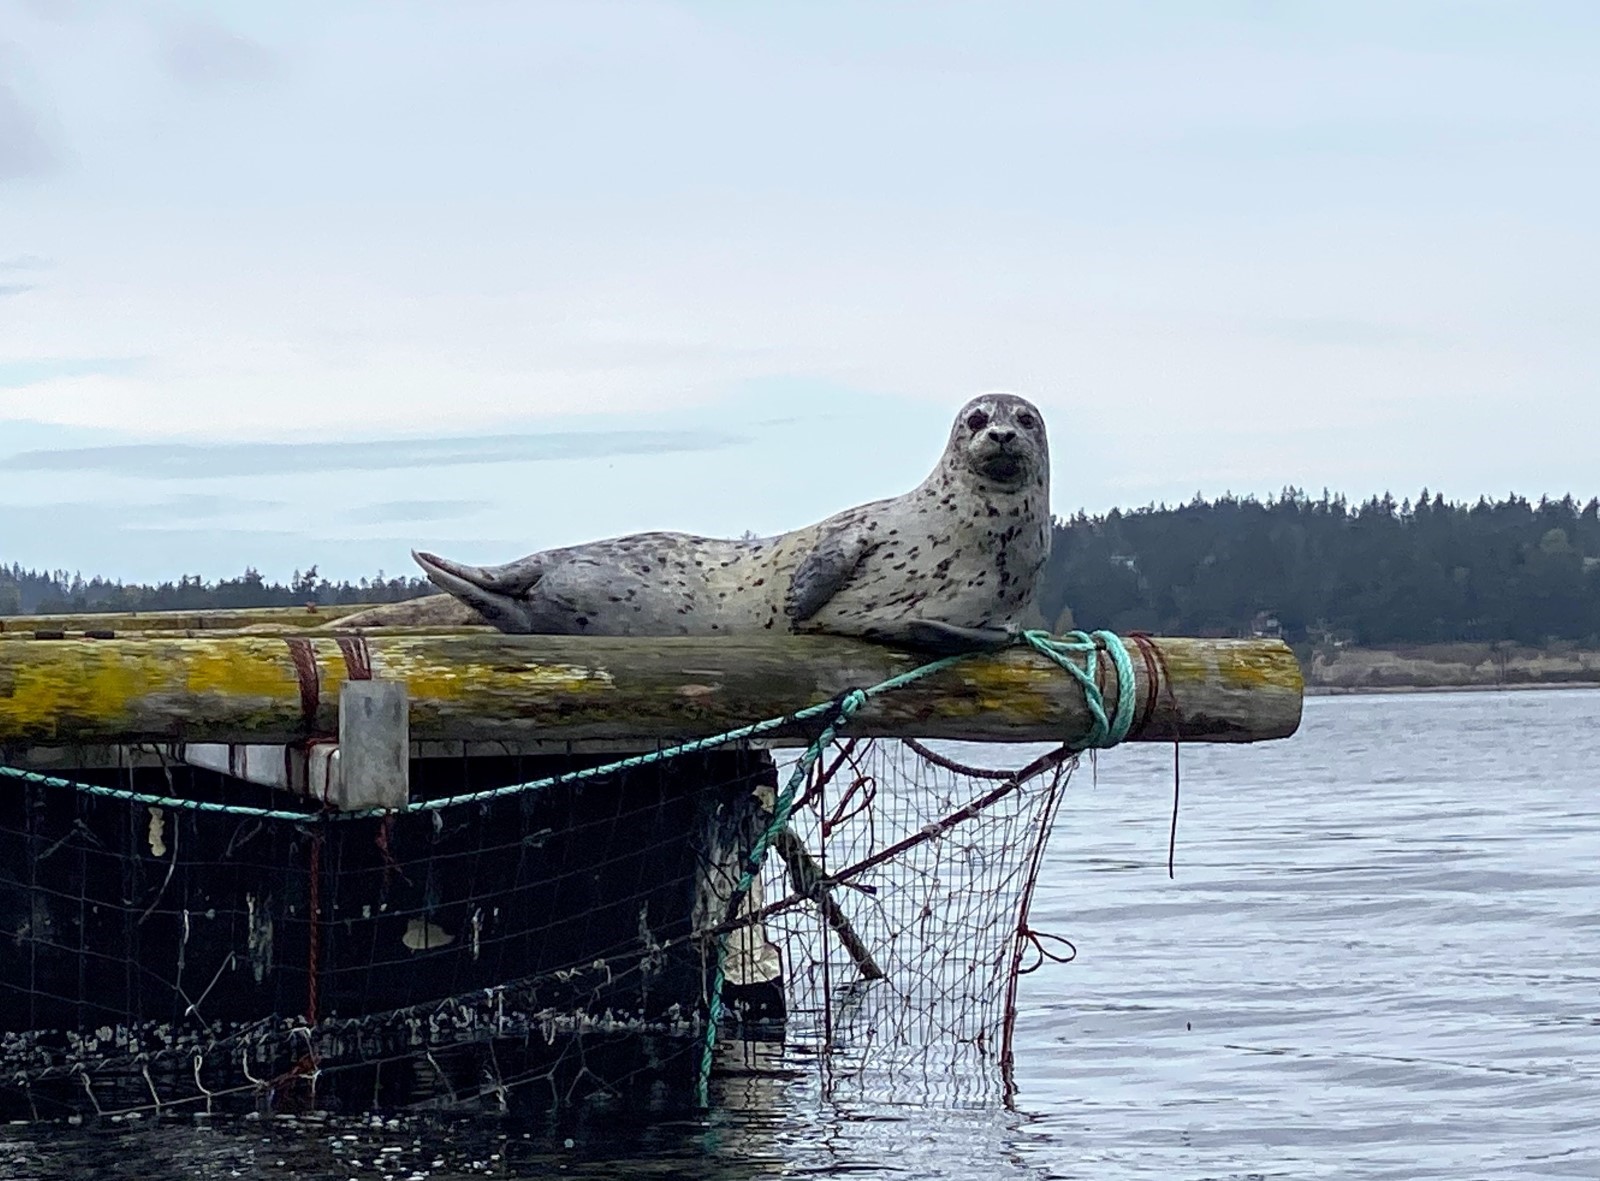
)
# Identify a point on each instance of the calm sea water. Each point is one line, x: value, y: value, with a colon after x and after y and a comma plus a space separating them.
x: 1380, y: 958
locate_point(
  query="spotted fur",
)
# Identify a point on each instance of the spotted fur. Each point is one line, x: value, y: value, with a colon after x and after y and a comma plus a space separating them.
x: 956, y: 560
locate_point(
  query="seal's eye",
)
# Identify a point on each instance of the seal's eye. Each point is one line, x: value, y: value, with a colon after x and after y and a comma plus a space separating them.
x: 977, y: 420
x: 1027, y: 421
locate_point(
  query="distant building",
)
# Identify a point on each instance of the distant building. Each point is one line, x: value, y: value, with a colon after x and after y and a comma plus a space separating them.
x: 1266, y: 625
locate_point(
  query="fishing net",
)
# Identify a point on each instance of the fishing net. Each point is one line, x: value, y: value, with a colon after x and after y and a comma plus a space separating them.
x: 172, y: 937
x: 906, y: 878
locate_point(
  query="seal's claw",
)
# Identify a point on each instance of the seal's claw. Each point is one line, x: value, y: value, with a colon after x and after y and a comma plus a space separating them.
x: 944, y: 639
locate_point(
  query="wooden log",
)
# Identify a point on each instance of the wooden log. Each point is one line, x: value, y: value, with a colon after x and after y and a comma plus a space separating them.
x: 142, y: 622
x: 494, y: 687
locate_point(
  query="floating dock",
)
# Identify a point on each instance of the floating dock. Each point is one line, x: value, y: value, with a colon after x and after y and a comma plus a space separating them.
x: 233, y: 842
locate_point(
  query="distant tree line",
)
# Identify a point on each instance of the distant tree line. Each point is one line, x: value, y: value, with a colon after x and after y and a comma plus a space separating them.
x: 1379, y: 572
x: 34, y: 592
x: 1375, y: 573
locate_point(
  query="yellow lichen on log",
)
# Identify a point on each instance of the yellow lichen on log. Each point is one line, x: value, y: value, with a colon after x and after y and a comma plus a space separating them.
x: 296, y: 619
x: 490, y: 687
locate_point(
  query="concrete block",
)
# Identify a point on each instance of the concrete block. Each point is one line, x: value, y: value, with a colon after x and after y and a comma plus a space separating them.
x: 374, y: 746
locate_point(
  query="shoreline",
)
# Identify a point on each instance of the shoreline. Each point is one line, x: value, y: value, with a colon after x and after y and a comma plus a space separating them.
x: 1380, y: 690
x: 1456, y: 668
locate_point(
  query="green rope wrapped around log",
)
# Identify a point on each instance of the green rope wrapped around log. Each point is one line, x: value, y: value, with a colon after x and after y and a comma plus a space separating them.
x: 1076, y: 653
x: 1103, y: 733
x: 1106, y: 732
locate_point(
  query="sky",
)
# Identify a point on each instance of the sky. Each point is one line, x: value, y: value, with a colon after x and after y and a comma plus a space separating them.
x: 297, y: 283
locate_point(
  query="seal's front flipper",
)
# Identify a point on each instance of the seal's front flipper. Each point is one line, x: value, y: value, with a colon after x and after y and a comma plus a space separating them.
x: 824, y: 570
x: 945, y: 639
x: 498, y: 593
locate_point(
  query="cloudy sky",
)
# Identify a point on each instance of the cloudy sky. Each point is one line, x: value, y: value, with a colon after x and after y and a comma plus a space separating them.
x: 314, y: 282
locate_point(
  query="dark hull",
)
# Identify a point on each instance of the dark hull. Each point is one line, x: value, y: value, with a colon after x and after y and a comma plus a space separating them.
x: 235, y: 951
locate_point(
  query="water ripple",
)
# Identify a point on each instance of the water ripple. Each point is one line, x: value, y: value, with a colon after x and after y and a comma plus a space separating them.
x: 1380, y: 959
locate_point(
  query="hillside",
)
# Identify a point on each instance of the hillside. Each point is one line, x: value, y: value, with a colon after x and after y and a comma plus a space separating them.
x: 1324, y: 573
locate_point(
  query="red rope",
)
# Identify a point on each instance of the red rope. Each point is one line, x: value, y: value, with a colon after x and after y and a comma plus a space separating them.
x: 309, y: 677
x: 1156, y: 665
x: 357, y: 657
x: 819, y: 779
x: 1025, y: 936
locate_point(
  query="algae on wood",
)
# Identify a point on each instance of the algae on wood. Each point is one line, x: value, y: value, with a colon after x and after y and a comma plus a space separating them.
x: 493, y: 687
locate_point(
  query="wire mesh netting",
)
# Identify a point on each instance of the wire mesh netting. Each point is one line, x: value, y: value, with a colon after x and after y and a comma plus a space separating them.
x: 558, y: 938
x: 916, y: 872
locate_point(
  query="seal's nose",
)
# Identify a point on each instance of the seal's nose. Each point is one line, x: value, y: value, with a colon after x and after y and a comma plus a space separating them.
x: 1002, y: 434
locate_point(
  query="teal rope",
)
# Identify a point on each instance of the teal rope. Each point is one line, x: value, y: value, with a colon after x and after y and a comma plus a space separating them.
x: 1105, y: 731
x: 1064, y: 652
x: 632, y: 762
x: 781, y: 808
x: 139, y: 797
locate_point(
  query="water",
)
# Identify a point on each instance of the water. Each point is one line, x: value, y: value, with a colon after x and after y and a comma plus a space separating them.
x: 1380, y: 959
x: 1381, y: 956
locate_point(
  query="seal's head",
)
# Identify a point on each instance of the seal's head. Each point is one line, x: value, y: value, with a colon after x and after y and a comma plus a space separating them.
x: 1000, y: 439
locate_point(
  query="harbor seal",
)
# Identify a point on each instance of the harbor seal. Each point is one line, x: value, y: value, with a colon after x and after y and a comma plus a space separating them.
x: 952, y: 564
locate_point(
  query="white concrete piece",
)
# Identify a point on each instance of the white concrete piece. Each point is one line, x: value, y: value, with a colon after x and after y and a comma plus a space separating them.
x: 374, y: 746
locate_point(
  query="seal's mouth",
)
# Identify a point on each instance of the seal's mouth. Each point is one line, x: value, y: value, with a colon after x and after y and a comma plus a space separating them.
x: 1004, y: 466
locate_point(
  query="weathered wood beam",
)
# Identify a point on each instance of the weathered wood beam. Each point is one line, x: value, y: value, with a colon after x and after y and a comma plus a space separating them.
x: 143, y: 622
x: 488, y: 687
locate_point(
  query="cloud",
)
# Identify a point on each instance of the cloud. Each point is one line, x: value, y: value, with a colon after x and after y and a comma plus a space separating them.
x: 189, y: 506
x: 55, y: 11
x: 201, y: 461
x: 24, y: 262
x: 172, y: 512
x: 212, y: 536
x: 202, y: 54
x: 469, y: 221
x: 31, y: 371
x: 1351, y: 333
x: 405, y: 512
x: 23, y: 149
x: 22, y: 434
x: 16, y: 288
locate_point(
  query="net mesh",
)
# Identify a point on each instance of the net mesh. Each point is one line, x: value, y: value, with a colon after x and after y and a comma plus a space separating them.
x: 557, y: 939
x: 908, y: 876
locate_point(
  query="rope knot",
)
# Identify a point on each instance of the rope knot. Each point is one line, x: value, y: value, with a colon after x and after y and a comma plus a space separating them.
x: 1065, y: 651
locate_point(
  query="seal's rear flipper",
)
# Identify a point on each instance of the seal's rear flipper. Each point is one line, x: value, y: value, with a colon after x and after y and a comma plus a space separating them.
x: 495, y: 592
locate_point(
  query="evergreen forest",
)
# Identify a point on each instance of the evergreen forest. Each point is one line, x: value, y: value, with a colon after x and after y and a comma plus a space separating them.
x: 1378, y: 572
x: 1316, y: 570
